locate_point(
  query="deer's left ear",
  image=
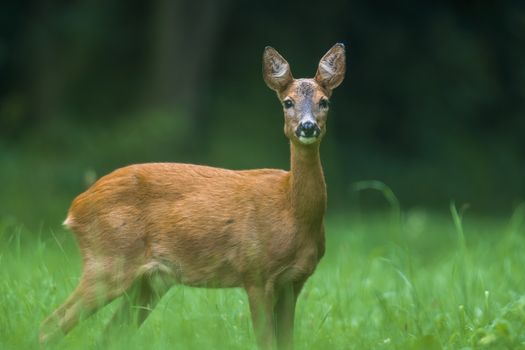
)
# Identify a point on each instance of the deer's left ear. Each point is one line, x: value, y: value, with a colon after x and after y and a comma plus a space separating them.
x: 332, y: 67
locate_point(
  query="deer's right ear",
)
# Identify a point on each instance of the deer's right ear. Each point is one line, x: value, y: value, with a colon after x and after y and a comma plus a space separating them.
x: 276, y: 71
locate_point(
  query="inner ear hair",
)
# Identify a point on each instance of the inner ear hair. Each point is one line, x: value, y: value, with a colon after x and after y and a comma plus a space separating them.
x: 332, y: 67
x: 276, y: 70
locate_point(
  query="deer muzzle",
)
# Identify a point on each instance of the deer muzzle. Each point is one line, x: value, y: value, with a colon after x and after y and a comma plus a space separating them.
x: 307, y: 132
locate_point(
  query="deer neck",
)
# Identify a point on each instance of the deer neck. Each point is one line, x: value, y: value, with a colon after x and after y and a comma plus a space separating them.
x: 308, y: 188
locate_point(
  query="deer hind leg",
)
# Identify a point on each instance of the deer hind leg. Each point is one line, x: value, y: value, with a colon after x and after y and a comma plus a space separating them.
x: 96, y: 288
x: 140, y: 300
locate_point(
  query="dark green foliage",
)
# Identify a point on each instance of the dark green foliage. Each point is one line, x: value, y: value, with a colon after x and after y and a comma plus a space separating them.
x: 432, y: 104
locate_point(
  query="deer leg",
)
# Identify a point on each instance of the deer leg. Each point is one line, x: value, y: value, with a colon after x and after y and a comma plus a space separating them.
x: 49, y: 329
x: 141, y: 299
x: 261, y: 309
x: 91, y: 294
x: 135, y: 306
x: 284, y: 317
x: 284, y: 311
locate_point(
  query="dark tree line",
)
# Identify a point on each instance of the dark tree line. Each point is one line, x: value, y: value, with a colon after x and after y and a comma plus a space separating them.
x: 433, y: 103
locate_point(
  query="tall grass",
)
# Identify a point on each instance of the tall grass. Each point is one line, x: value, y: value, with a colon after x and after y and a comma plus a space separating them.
x: 423, y: 281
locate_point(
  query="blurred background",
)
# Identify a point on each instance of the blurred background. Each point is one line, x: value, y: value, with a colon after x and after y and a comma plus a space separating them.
x: 432, y: 105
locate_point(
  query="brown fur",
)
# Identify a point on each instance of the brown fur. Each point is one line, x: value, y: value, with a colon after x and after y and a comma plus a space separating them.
x: 145, y: 227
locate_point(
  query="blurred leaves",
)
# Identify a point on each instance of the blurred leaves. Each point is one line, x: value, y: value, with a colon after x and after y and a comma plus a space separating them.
x: 432, y: 104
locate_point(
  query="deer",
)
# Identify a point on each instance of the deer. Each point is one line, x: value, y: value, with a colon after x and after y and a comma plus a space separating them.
x: 146, y: 227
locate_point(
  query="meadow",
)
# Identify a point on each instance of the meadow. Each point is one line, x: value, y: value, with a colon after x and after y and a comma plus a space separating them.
x: 410, y: 279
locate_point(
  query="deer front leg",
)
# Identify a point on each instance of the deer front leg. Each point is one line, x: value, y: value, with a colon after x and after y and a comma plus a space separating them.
x: 261, y: 309
x: 285, y: 313
x: 284, y: 317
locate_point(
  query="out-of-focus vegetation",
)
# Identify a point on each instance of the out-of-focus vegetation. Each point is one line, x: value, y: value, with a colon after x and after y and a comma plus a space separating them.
x: 432, y: 104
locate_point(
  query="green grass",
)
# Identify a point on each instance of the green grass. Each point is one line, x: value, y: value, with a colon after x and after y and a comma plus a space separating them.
x: 413, y: 280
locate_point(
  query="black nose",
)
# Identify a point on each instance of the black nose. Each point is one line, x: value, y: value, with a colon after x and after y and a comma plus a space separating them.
x: 308, y: 129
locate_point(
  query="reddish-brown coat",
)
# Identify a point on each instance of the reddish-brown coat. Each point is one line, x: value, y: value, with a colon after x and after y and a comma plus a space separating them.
x: 208, y: 226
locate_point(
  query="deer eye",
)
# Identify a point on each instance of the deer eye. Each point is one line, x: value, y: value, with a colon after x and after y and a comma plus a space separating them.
x: 288, y: 104
x: 324, y: 103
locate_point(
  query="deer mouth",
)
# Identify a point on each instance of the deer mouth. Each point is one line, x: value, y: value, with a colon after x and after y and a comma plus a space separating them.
x: 307, y: 140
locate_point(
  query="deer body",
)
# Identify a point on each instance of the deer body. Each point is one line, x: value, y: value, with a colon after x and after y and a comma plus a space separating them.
x: 201, y: 226
x: 145, y: 227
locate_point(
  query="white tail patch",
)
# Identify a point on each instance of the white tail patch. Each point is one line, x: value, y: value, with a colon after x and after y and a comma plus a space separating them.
x: 67, y: 223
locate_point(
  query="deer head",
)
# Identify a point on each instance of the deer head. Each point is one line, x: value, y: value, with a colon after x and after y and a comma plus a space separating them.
x: 305, y: 101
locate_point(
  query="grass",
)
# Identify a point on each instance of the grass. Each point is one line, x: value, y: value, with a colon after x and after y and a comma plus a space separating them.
x: 418, y: 281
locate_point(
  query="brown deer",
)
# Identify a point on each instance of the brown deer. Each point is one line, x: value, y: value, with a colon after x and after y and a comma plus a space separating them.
x: 145, y: 227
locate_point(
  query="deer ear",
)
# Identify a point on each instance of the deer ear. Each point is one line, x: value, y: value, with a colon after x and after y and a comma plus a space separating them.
x: 332, y: 67
x: 276, y: 71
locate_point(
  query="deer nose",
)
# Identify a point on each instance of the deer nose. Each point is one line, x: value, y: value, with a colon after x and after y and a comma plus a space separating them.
x: 308, y: 129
